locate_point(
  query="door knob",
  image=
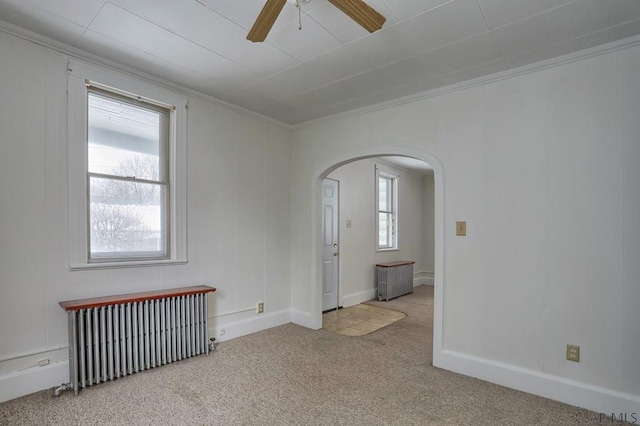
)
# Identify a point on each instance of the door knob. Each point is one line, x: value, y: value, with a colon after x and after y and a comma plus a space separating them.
x: 335, y: 254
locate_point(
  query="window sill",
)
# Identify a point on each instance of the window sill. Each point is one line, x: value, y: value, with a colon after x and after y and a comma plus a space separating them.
x: 386, y: 250
x: 126, y: 264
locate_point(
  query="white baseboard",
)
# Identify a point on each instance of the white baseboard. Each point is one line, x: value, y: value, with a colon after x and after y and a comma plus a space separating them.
x: 246, y: 326
x: 595, y: 398
x: 357, y: 298
x: 601, y: 400
x: 422, y: 278
x: 304, y: 319
x: 20, y: 383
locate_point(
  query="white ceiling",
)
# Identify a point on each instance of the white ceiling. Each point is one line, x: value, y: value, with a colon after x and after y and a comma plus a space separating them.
x: 332, y: 65
x: 408, y: 163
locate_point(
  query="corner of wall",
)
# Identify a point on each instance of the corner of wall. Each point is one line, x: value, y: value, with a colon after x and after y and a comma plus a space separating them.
x: 422, y: 278
x: 304, y: 319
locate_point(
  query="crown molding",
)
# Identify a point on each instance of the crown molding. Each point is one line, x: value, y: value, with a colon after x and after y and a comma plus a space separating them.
x: 75, y: 53
x: 480, y: 81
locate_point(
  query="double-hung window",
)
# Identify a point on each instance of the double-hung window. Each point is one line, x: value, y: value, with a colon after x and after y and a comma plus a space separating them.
x: 386, y: 210
x: 128, y: 176
x: 127, y: 171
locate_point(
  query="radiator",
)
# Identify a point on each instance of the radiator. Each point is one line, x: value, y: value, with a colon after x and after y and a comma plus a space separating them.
x: 115, y: 336
x: 394, y: 279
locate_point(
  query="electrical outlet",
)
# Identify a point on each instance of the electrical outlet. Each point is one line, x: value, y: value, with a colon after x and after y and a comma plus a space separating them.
x: 260, y: 307
x: 573, y: 353
x: 222, y: 331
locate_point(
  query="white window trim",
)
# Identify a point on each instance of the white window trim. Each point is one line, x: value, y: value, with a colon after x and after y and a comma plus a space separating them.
x: 381, y: 170
x: 78, y: 75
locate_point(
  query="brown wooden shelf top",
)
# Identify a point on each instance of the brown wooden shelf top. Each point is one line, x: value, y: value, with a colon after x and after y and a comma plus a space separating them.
x: 95, y: 302
x: 394, y: 264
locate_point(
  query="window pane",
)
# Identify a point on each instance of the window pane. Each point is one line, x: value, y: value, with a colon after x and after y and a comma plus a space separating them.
x: 384, y: 230
x: 384, y: 193
x: 124, y: 139
x: 126, y: 217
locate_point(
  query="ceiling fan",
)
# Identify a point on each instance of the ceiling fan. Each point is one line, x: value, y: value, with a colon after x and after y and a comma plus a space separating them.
x: 357, y: 10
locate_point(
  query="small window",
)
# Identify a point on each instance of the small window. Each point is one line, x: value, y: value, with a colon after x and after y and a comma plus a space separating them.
x: 387, y: 210
x: 128, y: 177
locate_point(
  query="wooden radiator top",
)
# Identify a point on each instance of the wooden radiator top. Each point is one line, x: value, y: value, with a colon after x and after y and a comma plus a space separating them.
x: 394, y: 264
x: 96, y: 302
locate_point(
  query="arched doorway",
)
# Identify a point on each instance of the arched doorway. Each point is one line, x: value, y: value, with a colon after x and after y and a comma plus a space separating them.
x: 324, y: 171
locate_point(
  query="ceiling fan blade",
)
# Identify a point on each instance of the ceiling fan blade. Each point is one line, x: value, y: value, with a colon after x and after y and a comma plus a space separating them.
x: 362, y: 13
x: 265, y: 20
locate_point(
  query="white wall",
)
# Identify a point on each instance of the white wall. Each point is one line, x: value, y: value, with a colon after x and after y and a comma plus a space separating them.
x: 543, y: 167
x: 358, y: 254
x: 429, y: 226
x: 238, y: 211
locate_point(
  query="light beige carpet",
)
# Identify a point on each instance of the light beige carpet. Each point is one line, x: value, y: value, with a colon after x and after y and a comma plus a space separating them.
x: 359, y: 320
x: 290, y: 375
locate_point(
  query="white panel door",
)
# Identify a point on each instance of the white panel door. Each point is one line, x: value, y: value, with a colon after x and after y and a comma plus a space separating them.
x: 329, y: 244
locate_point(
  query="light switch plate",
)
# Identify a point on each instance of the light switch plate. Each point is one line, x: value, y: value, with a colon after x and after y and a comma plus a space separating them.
x: 461, y: 229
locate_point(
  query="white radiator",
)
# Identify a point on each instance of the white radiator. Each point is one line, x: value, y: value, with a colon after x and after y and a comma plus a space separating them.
x: 394, y: 279
x: 116, y: 336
